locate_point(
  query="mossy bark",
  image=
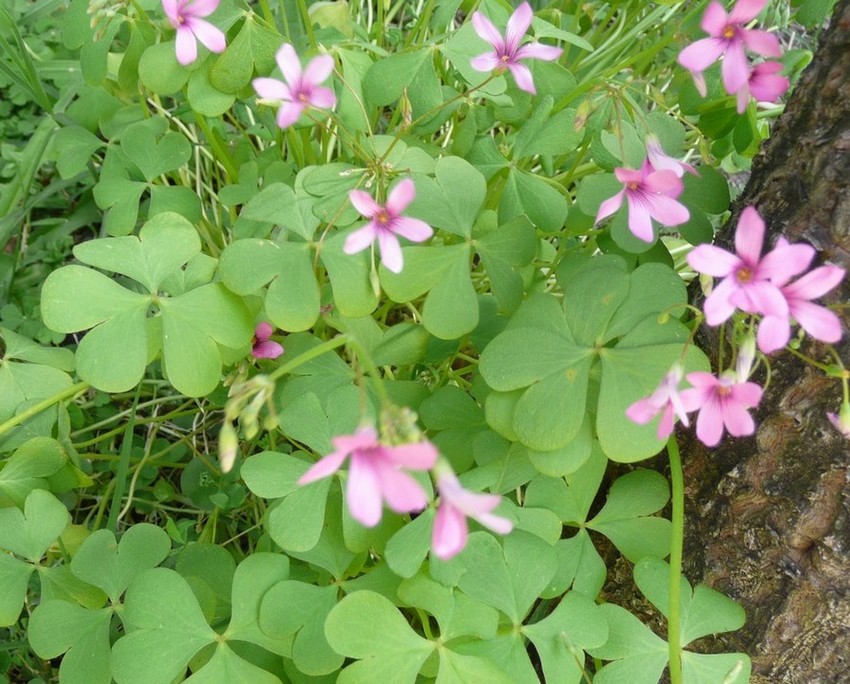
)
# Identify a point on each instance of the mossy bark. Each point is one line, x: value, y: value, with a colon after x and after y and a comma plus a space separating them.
x: 769, y: 516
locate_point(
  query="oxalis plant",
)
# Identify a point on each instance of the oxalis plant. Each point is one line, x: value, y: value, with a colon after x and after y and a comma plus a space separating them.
x: 386, y: 301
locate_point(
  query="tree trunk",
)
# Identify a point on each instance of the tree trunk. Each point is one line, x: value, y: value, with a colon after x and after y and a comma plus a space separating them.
x: 769, y: 516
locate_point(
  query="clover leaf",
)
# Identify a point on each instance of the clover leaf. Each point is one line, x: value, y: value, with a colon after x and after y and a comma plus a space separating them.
x: 188, y: 330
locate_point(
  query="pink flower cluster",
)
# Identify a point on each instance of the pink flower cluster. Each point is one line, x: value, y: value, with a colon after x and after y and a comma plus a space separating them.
x: 730, y: 40
x: 650, y: 193
x: 759, y: 284
x: 754, y: 284
x: 378, y: 474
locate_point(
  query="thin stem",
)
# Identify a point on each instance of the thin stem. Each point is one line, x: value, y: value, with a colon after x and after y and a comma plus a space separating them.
x: 44, y: 404
x: 676, y: 544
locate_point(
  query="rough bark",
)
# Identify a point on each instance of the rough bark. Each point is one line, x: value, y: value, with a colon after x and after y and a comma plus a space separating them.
x: 769, y: 516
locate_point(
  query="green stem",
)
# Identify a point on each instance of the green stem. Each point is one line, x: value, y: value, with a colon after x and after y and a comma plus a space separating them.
x: 123, y: 466
x: 42, y: 405
x: 308, y: 24
x: 676, y: 544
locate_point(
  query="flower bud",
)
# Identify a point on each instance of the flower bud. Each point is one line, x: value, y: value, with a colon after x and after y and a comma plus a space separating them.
x: 228, y: 447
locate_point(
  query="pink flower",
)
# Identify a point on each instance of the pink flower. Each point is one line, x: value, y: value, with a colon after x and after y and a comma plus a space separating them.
x: 263, y: 346
x: 650, y: 195
x: 728, y: 39
x: 842, y: 420
x: 763, y: 84
x: 376, y: 474
x: 301, y: 89
x: 748, y: 278
x: 185, y: 16
x: 661, y: 161
x: 818, y: 321
x: 721, y: 402
x: 456, y: 504
x: 386, y: 224
x: 665, y: 400
x: 507, y: 51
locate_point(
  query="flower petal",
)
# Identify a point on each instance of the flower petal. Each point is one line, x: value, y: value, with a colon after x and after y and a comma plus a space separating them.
x: 609, y: 206
x: 363, y: 491
x: 785, y: 261
x: 517, y: 27
x: 364, y: 203
x: 523, y: 78
x: 360, y: 239
x: 817, y: 321
x: 538, y: 51
x: 737, y: 420
x: 172, y: 11
x: 713, y: 261
x: 401, y: 196
x: 418, y: 456
x: 663, y: 181
x: 714, y: 20
x: 211, y: 38
x: 761, y: 297
x: 749, y: 236
x: 745, y: 11
x: 815, y: 283
x: 486, y: 31
x: 486, y: 62
x: 718, y: 306
x: 271, y: 89
x: 642, y: 411
x: 391, y: 256
x: 640, y: 221
x: 412, y: 229
x: 318, y: 70
x: 289, y: 63
x: 774, y: 333
x: 200, y: 8
x: 450, y: 532
x: 666, y: 210
x: 762, y: 43
x: 710, y: 423
x: 186, y: 47
x: 267, y: 350
x: 322, y: 98
x: 698, y: 56
x: 735, y: 68
x: 496, y: 523
x: 324, y: 467
x: 289, y: 113
x: 402, y: 493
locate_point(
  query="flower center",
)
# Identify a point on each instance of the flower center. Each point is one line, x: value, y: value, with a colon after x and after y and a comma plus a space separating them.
x: 382, y: 217
x: 744, y: 275
x: 729, y: 32
x: 302, y: 97
x: 632, y: 185
x: 724, y: 391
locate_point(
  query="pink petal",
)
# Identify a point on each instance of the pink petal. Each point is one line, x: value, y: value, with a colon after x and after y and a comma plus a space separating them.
x: 746, y: 394
x: 324, y: 467
x: 718, y: 306
x: 391, y: 256
x: 450, y: 532
x: 735, y: 68
x: 761, y: 297
x: 642, y: 411
x: 318, y: 69
x: 364, y: 438
x: 814, y: 284
x: 485, y: 30
x: 702, y: 54
x: 211, y: 38
x: 271, y: 89
x: 609, y: 206
x: 360, y: 239
x: 496, y: 523
x: 664, y: 181
x: 267, y: 350
x: 417, y: 456
x: 538, y: 51
x: 403, y: 494
x: 774, y: 333
x: 749, y: 236
x: 762, y: 43
x: 364, y: 203
x: 363, y: 492
x: 186, y: 46
x: 523, y: 78
x: 713, y: 261
x: 172, y: 11
x: 742, y: 98
x: 699, y: 82
x: 710, y: 423
x: 412, y: 229
x: 714, y: 20
x: 640, y: 222
x: 626, y: 176
x: 263, y: 331
x: 785, y: 261
x: 665, y: 425
x: 518, y: 24
x: 818, y: 321
x: 289, y: 63
x: 289, y: 113
x: 200, y: 8
x: 486, y: 62
x: 666, y: 210
x: 737, y: 420
x: 401, y: 196
x: 767, y: 87
x: 745, y: 11
x: 322, y: 98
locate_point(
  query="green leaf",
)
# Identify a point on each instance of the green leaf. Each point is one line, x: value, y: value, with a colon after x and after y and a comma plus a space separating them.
x: 205, y: 98
x: 639, y: 656
x: 113, y: 356
x: 387, y: 79
x: 278, y: 203
x: 153, y: 151
x: 296, y: 524
x: 709, y: 191
x: 451, y: 201
x: 31, y: 532
x: 272, y: 475
x: 29, y: 467
x: 528, y: 194
x: 726, y: 668
x: 234, y: 67
x: 58, y: 627
x: 75, y: 147
x: 162, y: 617
x: 226, y: 666
x: 15, y: 576
x: 159, y: 70
x: 407, y: 548
x: 111, y: 566
x: 353, y: 294
x: 367, y: 627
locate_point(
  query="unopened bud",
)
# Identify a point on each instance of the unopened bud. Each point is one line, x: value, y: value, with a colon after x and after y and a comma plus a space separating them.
x: 228, y: 447
x: 842, y: 420
x: 746, y: 357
